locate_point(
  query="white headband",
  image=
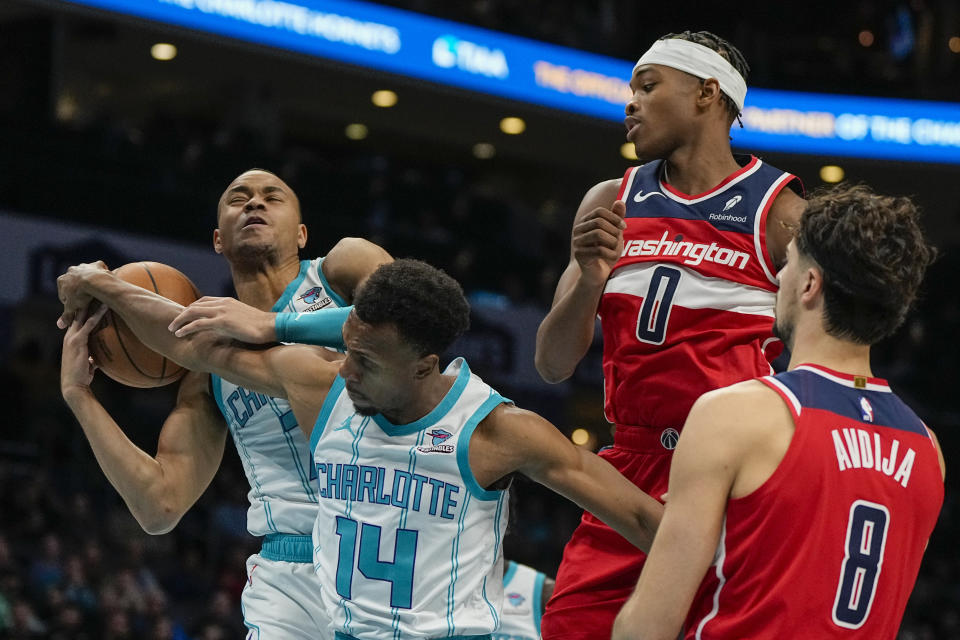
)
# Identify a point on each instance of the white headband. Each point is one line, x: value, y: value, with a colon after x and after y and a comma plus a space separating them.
x: 699, y: 61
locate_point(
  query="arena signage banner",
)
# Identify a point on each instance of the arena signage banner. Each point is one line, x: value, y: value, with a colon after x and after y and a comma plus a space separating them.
x: 476, y: 59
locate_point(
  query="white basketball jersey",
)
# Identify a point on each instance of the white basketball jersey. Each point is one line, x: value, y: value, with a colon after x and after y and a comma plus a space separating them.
x: 522, y: 603
x: 273, y: 449
x: 407, y: 544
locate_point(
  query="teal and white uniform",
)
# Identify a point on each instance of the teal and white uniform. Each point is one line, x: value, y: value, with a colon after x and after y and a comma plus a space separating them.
x: 522, y: 603
x: 407, y: 544
x: 281, y: 599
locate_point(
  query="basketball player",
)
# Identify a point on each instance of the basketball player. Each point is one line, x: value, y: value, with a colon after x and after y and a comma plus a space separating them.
x: 678, y: 260
x: 820, y: 485
x: 412, y: 463
x: 525, y: 592
x: 259, y: 232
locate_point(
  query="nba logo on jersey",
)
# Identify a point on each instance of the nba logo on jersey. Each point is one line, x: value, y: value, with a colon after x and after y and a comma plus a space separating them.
x: 515, y: 599
x: 669, y: 438
x: 866, y: 410
x: 439, y: 437
x: 311, y: 295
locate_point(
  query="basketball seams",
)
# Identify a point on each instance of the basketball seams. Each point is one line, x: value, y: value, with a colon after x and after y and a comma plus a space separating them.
x: 156, y: 290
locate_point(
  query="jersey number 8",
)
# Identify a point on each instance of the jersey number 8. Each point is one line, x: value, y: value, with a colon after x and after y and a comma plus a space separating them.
x: 863, y: 558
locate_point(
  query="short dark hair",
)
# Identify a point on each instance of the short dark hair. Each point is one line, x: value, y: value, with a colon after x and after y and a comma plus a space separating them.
x: 426, y: 305
x: 873, y: 255
x: 725, y: 49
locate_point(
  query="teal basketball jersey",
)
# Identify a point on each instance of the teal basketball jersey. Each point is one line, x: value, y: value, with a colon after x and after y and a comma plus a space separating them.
x: 273, y: 449
x: 522, y: 603
x: 407, y: 544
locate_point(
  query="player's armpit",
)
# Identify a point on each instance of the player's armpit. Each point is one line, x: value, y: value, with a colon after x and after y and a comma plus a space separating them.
x: 350, y: 262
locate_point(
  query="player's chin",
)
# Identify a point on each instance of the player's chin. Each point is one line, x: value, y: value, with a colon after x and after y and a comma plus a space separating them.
x: 365, y: 410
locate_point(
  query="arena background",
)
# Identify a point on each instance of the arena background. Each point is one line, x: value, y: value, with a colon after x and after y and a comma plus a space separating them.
x: 111, y: 153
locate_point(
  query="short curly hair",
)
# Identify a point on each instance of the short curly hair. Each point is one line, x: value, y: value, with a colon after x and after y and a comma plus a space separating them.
x: 873, y: 255
x: 425, y: 304
x: 729, y: 52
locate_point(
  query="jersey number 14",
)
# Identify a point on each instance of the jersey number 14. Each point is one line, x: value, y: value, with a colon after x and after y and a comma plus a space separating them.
x: 398, y: 572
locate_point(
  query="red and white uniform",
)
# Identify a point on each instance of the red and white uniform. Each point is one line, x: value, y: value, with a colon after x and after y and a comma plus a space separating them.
x: 688, y: 308
x: 689, y: 305
x: 830, y: 545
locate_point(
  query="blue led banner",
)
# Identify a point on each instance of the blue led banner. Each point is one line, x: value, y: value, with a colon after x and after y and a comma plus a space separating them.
x: 449, y: 53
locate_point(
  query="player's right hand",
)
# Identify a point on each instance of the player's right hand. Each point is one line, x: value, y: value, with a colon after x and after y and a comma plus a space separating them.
x: 70, y: 289
x: 76, y: 365
x: 598, y: 241
x: 228, y: 317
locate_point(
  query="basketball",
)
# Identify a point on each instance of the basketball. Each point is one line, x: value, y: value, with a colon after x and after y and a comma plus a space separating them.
x: 115, y: 348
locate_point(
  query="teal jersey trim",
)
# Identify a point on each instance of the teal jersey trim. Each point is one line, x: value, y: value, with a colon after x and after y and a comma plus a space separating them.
x: 218, y: 395
x: 463, y: 447
x: 291, y: 288
x: 335, y: 390
x: 431, y: 418
x: 326, y: 285
x: 284, y: 547
x: 538, y: 599
x: 508, y: 574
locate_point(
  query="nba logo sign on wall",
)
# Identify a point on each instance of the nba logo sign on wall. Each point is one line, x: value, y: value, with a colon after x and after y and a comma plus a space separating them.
x: 669, y: 438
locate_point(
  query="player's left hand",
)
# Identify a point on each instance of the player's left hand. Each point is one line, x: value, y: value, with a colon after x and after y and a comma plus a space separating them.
x: 228, y: 317
x: 76, y: 365
x: 71, y: 293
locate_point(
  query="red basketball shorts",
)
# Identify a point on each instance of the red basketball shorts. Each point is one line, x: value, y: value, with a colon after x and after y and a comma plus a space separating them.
x: 600, y: 568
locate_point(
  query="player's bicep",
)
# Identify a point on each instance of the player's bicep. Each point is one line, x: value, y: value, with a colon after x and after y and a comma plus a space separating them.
x: 191, y: 443
x: 350, y: 262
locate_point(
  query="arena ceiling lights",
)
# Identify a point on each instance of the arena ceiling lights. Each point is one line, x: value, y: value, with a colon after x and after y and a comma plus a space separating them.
x: 468, y: 57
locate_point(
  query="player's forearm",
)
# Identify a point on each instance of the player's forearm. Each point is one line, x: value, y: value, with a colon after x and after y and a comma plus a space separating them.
x: 619, y: 503
x: 566, y: 333
x: 137, y: 477
x: 148, y: 315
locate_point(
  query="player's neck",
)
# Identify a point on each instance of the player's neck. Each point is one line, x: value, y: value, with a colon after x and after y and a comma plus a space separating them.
x: 698, y: 168
x: 812, y: 345
x: 262, y: 285
x: 434, y: 389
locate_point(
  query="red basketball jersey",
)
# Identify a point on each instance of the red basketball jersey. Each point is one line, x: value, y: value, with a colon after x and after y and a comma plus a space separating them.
x: 830, y: 545
x: 689, y: 305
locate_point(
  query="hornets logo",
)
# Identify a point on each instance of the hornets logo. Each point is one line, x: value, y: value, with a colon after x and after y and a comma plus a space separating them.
x: 311, y: 295
x: 440, y: 436
x: 515, y: 599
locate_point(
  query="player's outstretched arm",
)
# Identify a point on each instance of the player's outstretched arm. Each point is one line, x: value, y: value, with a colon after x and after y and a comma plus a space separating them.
x: 596, y: 240
x: 512, y: 439
x: 159, y: 489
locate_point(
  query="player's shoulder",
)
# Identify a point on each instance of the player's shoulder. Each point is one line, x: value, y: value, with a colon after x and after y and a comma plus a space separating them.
x: 350, y: 261
x: 603, y: 194
x: 744, y: 410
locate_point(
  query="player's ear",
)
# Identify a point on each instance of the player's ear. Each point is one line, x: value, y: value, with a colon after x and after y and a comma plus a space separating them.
x: 425, y: 365
x: 217, y: 244
x: 709, y: 91
x: 811, y: 285
x: 302, y: 235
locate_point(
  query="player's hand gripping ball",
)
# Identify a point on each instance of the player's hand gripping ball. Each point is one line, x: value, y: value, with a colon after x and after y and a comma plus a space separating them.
x: 114, y: 347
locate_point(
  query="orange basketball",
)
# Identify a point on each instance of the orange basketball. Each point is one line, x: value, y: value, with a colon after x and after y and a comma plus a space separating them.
x: 115, y: 348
